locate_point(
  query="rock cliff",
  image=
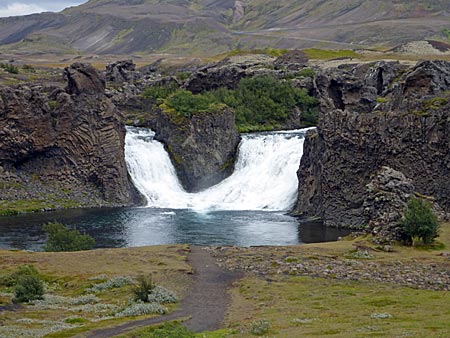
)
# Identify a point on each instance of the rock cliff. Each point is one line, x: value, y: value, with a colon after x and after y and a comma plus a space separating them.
x: 202, y: 148
x: 63, y: 146
x: 374, y: 116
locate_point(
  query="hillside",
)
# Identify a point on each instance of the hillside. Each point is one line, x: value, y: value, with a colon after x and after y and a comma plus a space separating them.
x: 215, y: 26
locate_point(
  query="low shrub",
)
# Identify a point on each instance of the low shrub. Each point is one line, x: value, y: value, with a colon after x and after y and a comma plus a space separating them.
x: 419, y: 222
x: 10, y: 68
x: 143, y: 288
x: 140, y: 309
x: 62, y: 238
x: 162, y: 296
x: 113, y: 283
x: 170, y: 330
x: 260, y: 327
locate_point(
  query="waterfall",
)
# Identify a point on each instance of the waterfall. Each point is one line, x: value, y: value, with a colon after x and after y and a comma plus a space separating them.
x: 264, y: 177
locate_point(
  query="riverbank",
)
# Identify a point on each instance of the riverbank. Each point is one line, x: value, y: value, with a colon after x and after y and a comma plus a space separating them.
x: 346, y: 288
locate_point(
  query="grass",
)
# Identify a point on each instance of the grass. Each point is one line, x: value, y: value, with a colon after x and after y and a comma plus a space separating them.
x: 295, y: 306
x: 70, y: 274
x: 328, y: 54
x: 8, y: 208
x: 305, y: 306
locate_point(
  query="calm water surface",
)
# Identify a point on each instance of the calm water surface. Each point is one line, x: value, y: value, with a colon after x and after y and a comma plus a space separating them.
x: 131, y: 227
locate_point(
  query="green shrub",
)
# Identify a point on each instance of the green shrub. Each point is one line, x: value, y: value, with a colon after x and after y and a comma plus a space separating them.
x: 27, y: 284
x: 28, y: 68
x: 159, y: 92
x: 169, y: 330
x: 185, y: 103
x: 266, y: 100
x: 10, y: 68
x: 260, y: 327
x: 62, y: 238
x: 419, y: 222
x: 143, y: 288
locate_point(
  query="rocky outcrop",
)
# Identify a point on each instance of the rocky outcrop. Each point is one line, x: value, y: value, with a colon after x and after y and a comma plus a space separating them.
x: 202, y: 148
x: 228, y: 72
x: 65, y: 146
x: 121, y: 71
x: 387, y: 196
x: 406, y: 129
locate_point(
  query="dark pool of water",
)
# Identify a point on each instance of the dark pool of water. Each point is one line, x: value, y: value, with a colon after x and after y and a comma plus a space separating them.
x: 131, y: 227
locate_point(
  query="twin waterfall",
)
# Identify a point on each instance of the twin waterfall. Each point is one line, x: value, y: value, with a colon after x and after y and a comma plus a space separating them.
x: 264, y: 177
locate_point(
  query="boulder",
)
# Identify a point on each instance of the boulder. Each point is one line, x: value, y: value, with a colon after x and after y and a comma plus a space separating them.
x: 121, y: 71
x: 84, y: 79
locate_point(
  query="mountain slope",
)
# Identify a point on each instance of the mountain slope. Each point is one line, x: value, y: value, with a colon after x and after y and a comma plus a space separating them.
x: 214, y: 26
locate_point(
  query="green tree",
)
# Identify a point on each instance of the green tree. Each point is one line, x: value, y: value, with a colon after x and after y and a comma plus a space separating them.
x: 420, y: 222
x: 62, y: 238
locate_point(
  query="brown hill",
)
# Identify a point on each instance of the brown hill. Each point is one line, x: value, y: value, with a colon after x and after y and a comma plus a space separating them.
x: 214, y: 26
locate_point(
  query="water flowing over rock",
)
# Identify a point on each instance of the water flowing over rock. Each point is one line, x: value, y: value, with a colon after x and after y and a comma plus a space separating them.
x: 264, y: 177
x: 67, y: 145
x: 202, y: 148
x: 405, y: 125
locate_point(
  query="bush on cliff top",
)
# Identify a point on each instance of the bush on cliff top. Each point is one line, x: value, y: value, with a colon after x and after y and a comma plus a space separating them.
x: 260, y: 103
x: 185, y: 103
x: 420, y: 222
x: 62, y: 238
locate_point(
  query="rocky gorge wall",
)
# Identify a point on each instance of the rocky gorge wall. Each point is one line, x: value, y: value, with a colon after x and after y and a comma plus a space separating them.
x: 63, y: 147
x: 379, y: 119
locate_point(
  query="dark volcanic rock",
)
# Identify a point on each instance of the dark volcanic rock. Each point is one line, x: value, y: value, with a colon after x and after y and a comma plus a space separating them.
x: 68, y: 148
x: 84, y: 79
x: 228, y: 72
x: 387, y: 196
x: 202, y: 149
x: 121, y: 71
x: 352, y: 143
x: 292, y: 60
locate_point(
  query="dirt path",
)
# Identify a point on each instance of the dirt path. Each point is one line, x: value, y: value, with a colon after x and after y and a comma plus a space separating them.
x: 205, y: 303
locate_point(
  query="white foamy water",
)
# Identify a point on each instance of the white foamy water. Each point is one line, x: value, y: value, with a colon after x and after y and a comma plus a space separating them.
x: 264, y: 177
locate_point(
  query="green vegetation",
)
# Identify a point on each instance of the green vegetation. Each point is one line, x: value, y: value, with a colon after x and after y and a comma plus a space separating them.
x: 328, y: 54
x: 62, y: 238
x: 26, y: 283
x: 185, y: 103
x: 166, y: 330
x: 319, y: 307
x: 9, y: 68
x: 420, y: 222
x: 159, y: 92
x: 28, y: 68
x: 446, y: 33
x: 267, y: 51
x: 9, y: 208
x: 260, y: 327
x: 143, y: 288
x: 260, y: 103
x: 435, y: 103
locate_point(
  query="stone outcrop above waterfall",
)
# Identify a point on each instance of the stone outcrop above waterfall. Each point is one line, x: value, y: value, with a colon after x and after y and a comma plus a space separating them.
x: 373, y: 116
x: 202, y: 148
x: 63, y: 147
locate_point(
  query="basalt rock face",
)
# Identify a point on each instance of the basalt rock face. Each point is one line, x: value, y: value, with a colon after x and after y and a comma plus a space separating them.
x: 229, y: 72
x: 64, y: 146
x: 371, y: 121
x: 202, y: 148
